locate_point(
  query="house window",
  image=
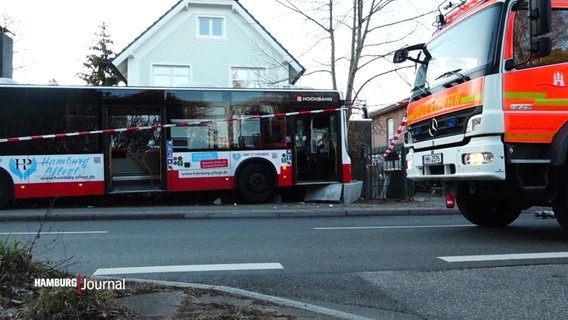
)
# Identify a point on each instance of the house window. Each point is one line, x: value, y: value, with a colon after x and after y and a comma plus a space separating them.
x: 211, y: 27
x: 248, y: 77
x: 170, y: 76
x: 390, y: 129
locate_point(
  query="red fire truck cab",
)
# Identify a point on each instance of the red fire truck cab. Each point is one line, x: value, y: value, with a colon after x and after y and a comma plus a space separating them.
x: 488, y: 113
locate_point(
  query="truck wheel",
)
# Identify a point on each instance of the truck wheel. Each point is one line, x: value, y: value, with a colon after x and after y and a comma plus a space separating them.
x: 560, y: 208
x: 486, y: 210
x: 256, y: 183
x: 6, y: 190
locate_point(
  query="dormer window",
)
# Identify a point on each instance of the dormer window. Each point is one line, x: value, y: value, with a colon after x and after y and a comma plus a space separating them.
x: 210, y: 27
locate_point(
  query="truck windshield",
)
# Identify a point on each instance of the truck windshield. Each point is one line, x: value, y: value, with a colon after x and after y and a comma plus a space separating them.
x: 460, y: 51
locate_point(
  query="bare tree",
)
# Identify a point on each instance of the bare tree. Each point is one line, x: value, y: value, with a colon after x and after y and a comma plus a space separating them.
x: 361, y: 19
x: 6, y: 23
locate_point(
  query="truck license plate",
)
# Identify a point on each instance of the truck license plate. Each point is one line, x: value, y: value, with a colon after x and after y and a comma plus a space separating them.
x: 435, y: 158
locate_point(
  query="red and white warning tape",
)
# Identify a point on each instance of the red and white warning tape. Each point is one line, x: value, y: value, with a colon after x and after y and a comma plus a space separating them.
x: 396, y: 136
x: 177, y: 124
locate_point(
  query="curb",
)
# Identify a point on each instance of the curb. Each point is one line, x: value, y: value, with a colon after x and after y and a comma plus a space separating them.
x: 222, y: 212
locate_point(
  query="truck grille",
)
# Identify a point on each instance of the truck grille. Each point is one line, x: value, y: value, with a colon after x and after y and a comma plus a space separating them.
x: 443, y: 125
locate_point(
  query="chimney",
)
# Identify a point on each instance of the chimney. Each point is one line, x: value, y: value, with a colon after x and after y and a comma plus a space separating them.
x: 6, y: 54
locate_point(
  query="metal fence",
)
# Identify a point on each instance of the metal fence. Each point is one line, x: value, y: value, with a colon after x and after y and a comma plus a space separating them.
x: 385, y: 178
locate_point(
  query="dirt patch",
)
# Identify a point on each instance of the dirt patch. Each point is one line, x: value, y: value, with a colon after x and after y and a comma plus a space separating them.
x: 152, y: 302
x: 146, y: 301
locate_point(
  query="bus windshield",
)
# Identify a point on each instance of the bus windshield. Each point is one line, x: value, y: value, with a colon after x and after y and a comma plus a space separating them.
x: 455, y: 56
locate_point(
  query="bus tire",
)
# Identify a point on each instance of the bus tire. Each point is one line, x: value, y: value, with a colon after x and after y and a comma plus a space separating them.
x: 6, y: 190
x: 486, y: 209
x: 256, y: 183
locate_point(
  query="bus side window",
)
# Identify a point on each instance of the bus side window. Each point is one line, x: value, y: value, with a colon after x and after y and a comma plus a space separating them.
x: 273, y: 133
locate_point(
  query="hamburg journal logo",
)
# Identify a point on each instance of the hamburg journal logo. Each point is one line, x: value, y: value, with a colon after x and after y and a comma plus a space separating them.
x: 22, y: 168
x: 81, y: 283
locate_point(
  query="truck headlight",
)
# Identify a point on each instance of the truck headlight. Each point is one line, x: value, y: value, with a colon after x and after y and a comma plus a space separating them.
x: 477, y: 158
x: 473, y: 123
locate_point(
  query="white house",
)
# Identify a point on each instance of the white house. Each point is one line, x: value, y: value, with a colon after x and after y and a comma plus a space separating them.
x: 207, y: 43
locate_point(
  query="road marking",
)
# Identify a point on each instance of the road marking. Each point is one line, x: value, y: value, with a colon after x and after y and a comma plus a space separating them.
x: 189, y: 268
x: 503, y: 257
x: 52, y: 232
x: 396, y: 227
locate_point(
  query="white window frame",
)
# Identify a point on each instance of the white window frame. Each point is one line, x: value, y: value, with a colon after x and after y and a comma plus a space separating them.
x: 390, y: 129
x: 171, y: 75
x: 210, y: 28
x: 249, y: 82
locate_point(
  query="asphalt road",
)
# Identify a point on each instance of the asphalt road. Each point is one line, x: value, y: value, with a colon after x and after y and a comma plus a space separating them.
x: 379, y: 267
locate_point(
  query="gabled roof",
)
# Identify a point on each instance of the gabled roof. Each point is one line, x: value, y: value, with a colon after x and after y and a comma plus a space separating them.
x: 121, y: 58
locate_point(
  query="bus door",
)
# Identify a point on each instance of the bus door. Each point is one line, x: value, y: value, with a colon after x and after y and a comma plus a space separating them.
x: 316, y: 148
x: 135, y: 161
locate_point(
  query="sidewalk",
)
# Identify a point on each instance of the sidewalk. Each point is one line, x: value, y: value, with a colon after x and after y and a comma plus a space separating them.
x: 422, y: 205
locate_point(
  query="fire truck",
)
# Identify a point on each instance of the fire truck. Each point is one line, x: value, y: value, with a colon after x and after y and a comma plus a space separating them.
x: 488, y: 111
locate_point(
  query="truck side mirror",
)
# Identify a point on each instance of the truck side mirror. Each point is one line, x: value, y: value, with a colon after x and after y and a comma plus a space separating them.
x: 400, y: 56
x: 540, y: 16
x: 541, y: 47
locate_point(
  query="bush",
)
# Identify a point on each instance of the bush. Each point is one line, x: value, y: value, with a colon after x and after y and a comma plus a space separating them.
x: 17, y: 274
x: 66, y: 303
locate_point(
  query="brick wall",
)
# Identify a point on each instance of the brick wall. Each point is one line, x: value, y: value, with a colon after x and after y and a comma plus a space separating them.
x: 380, y: 119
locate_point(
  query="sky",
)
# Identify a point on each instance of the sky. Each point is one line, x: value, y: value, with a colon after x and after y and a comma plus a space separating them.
x: 52, y: 37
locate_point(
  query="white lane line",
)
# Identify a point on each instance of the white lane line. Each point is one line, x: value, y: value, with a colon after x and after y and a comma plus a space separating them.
x: 504, y: 257
x: 52, y: 232
x: 396, y: 227
x: 189, y: 268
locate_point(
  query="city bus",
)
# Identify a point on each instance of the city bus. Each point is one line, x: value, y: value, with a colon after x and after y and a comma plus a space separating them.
x: 63, y: 141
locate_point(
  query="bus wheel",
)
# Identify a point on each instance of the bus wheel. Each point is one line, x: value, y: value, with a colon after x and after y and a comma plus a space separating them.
x: 6, y: 190
x: 256, y: 183
x: 486, y: 209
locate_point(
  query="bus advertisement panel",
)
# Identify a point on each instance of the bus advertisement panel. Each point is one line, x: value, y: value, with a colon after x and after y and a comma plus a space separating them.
x: 55, y: 175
